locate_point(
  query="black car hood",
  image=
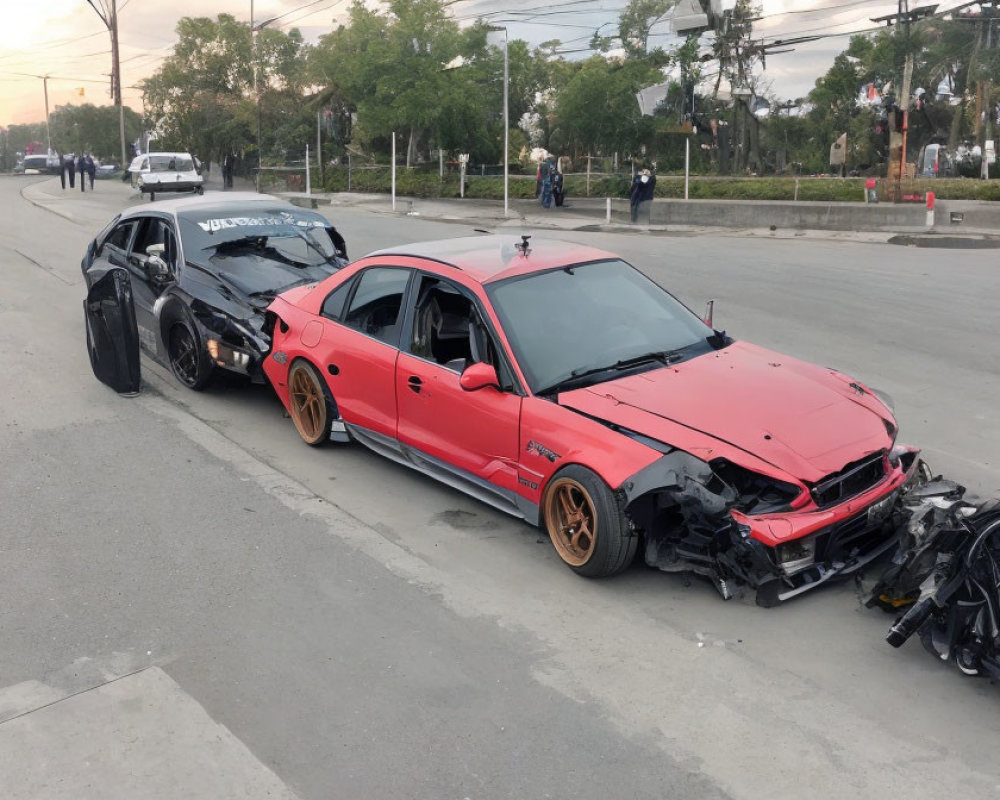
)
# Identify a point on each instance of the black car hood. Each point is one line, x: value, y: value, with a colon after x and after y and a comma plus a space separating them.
x: 255, y: 275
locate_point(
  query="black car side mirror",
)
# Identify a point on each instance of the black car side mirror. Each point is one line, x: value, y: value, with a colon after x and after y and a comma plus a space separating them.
x: 156, y: 267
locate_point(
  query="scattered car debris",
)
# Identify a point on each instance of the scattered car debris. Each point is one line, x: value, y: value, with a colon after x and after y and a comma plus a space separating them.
x: 947, y: 571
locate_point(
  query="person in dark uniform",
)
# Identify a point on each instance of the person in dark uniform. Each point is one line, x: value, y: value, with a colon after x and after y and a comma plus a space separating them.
x: 228, y: 167
x: 91, y: 170
x: 67, y: 169
x: 558, y: 192
x: 81, y: 169
x: 641, y: 193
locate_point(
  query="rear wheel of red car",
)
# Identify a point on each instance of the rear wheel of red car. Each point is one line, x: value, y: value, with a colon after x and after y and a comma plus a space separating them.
x: 309, y: 403
x: 586, y: 524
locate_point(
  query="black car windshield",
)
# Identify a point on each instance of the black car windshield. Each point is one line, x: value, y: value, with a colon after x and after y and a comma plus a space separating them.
x: 571, y: 325
x: 170, y: 163
x: 297, y: 238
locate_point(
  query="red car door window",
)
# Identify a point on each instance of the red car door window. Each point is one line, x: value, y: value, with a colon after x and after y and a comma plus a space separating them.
x: 375, y: 307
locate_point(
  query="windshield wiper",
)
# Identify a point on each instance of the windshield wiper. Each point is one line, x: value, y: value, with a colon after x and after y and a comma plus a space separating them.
x: 578, y: 375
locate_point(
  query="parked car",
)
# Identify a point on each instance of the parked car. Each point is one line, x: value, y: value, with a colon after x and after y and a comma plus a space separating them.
x: 561, y: 385
x: 190, y: 278
x: 166, y: 172
x: 39, y: 165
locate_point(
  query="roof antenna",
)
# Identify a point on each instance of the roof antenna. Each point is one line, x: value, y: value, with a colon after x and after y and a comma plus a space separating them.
x: 523, y: 248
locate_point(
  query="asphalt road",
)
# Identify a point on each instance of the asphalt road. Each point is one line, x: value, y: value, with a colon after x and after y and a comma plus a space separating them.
x: 365, y: 632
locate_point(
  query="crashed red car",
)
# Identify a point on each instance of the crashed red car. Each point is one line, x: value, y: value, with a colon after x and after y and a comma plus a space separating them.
x: 558, y: 383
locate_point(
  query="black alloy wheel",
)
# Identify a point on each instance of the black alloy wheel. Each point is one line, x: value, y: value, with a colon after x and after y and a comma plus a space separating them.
x: 188, y: 360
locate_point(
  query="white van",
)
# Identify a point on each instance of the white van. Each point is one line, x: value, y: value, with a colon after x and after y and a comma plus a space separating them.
x: 166, y: 172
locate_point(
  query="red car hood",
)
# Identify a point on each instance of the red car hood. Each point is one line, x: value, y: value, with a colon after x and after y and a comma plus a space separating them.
x: 804, y: 420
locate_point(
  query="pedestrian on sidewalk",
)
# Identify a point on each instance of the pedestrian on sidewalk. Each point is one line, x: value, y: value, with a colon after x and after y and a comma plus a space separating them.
x: 91, y: 170
x: 81, y: 170
x: 558, y: 192
x: 548, y: 170
x: 228, y: 166
x: 641, y: 194
x: 67, y: 169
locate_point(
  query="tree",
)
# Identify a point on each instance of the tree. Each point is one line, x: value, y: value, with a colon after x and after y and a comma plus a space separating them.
x: 596, y: 111
x: 92, y: 129
x: 634, y: 25
x: 202, y: 97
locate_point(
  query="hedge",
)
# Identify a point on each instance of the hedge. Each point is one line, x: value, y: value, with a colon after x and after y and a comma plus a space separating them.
x: 428, y: 183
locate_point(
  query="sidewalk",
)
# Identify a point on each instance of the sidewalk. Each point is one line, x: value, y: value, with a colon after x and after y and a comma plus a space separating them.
x: 895, y: 224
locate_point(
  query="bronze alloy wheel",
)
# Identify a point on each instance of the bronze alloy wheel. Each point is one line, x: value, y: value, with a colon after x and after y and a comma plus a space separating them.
x: 571, y: 520
x: 307, y: 404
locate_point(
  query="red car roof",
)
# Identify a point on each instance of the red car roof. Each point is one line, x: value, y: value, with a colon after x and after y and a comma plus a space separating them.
x: 491, y: 258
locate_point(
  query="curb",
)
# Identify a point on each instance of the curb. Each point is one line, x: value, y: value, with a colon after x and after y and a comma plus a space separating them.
x: 970, y: 242
x: 29, y: 193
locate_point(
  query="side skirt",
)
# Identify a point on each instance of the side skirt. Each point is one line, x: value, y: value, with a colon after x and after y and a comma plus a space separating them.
x: 472, y: 485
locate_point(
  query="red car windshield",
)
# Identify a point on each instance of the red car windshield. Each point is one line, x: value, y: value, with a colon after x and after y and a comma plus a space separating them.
x: 573, y: 323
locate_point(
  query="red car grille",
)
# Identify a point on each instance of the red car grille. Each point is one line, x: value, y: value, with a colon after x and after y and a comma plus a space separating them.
x: 854, y: 479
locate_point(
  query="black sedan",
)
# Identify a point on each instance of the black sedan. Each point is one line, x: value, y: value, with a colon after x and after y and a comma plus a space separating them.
x: 189, y: 281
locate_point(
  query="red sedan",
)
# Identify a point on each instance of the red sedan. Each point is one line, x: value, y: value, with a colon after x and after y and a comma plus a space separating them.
x: 558, y: 383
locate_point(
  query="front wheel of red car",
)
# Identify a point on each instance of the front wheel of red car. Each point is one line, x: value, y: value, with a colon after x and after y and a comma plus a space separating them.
x: 309, y: 403
x: 586, y: 524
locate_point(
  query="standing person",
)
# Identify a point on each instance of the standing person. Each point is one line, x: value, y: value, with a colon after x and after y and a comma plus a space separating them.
x: 62, y: 170
x: 81, y: 170
x: 91, y: 170
x: 228, y: 166
x: 548, y: 168
x: 68, y: 170
x: 558, y: 194
x: 641, y: 194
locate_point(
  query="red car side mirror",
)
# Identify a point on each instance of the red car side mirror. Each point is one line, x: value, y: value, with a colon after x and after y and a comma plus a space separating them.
x: 479, y: 376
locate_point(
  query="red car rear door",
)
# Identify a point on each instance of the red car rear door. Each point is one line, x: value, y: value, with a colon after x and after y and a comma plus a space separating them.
x: 360, y: 352
x: 475, y: 432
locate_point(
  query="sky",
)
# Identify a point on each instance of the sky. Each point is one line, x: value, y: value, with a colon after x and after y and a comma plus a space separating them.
x: 68, y: 41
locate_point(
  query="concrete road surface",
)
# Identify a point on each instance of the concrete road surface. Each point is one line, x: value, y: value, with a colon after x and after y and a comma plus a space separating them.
x: 179, y: 575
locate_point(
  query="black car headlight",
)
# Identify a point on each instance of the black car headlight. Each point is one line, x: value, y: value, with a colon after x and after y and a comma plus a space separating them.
x: 226, y: 356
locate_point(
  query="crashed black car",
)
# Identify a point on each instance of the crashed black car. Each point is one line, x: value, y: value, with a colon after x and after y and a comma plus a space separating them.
x: 189, y: 281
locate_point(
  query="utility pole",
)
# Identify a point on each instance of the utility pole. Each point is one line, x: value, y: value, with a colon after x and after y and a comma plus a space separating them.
x: 108, y: 12
x: 48, y: 133
x: 904, y: 15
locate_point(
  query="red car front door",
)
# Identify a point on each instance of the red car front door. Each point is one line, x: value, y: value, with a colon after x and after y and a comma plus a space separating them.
x: 475, y: 432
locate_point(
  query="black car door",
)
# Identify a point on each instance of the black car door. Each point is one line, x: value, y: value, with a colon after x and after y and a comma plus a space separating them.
x: 112, y: 336
x: 152, y: 270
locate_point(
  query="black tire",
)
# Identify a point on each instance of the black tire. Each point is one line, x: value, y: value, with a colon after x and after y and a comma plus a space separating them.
x: 186, y: 352
x: 310, y: 403
x: 200, y: 190
x: 586, y: 524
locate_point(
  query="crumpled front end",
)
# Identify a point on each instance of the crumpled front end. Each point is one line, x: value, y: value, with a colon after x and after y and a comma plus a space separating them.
x: 743, y: 529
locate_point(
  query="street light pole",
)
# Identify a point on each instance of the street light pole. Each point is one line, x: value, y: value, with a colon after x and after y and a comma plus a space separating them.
x: 506, y: 127
x: 48, y: 132
x: 254, y: 33
x: 506, y: 118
